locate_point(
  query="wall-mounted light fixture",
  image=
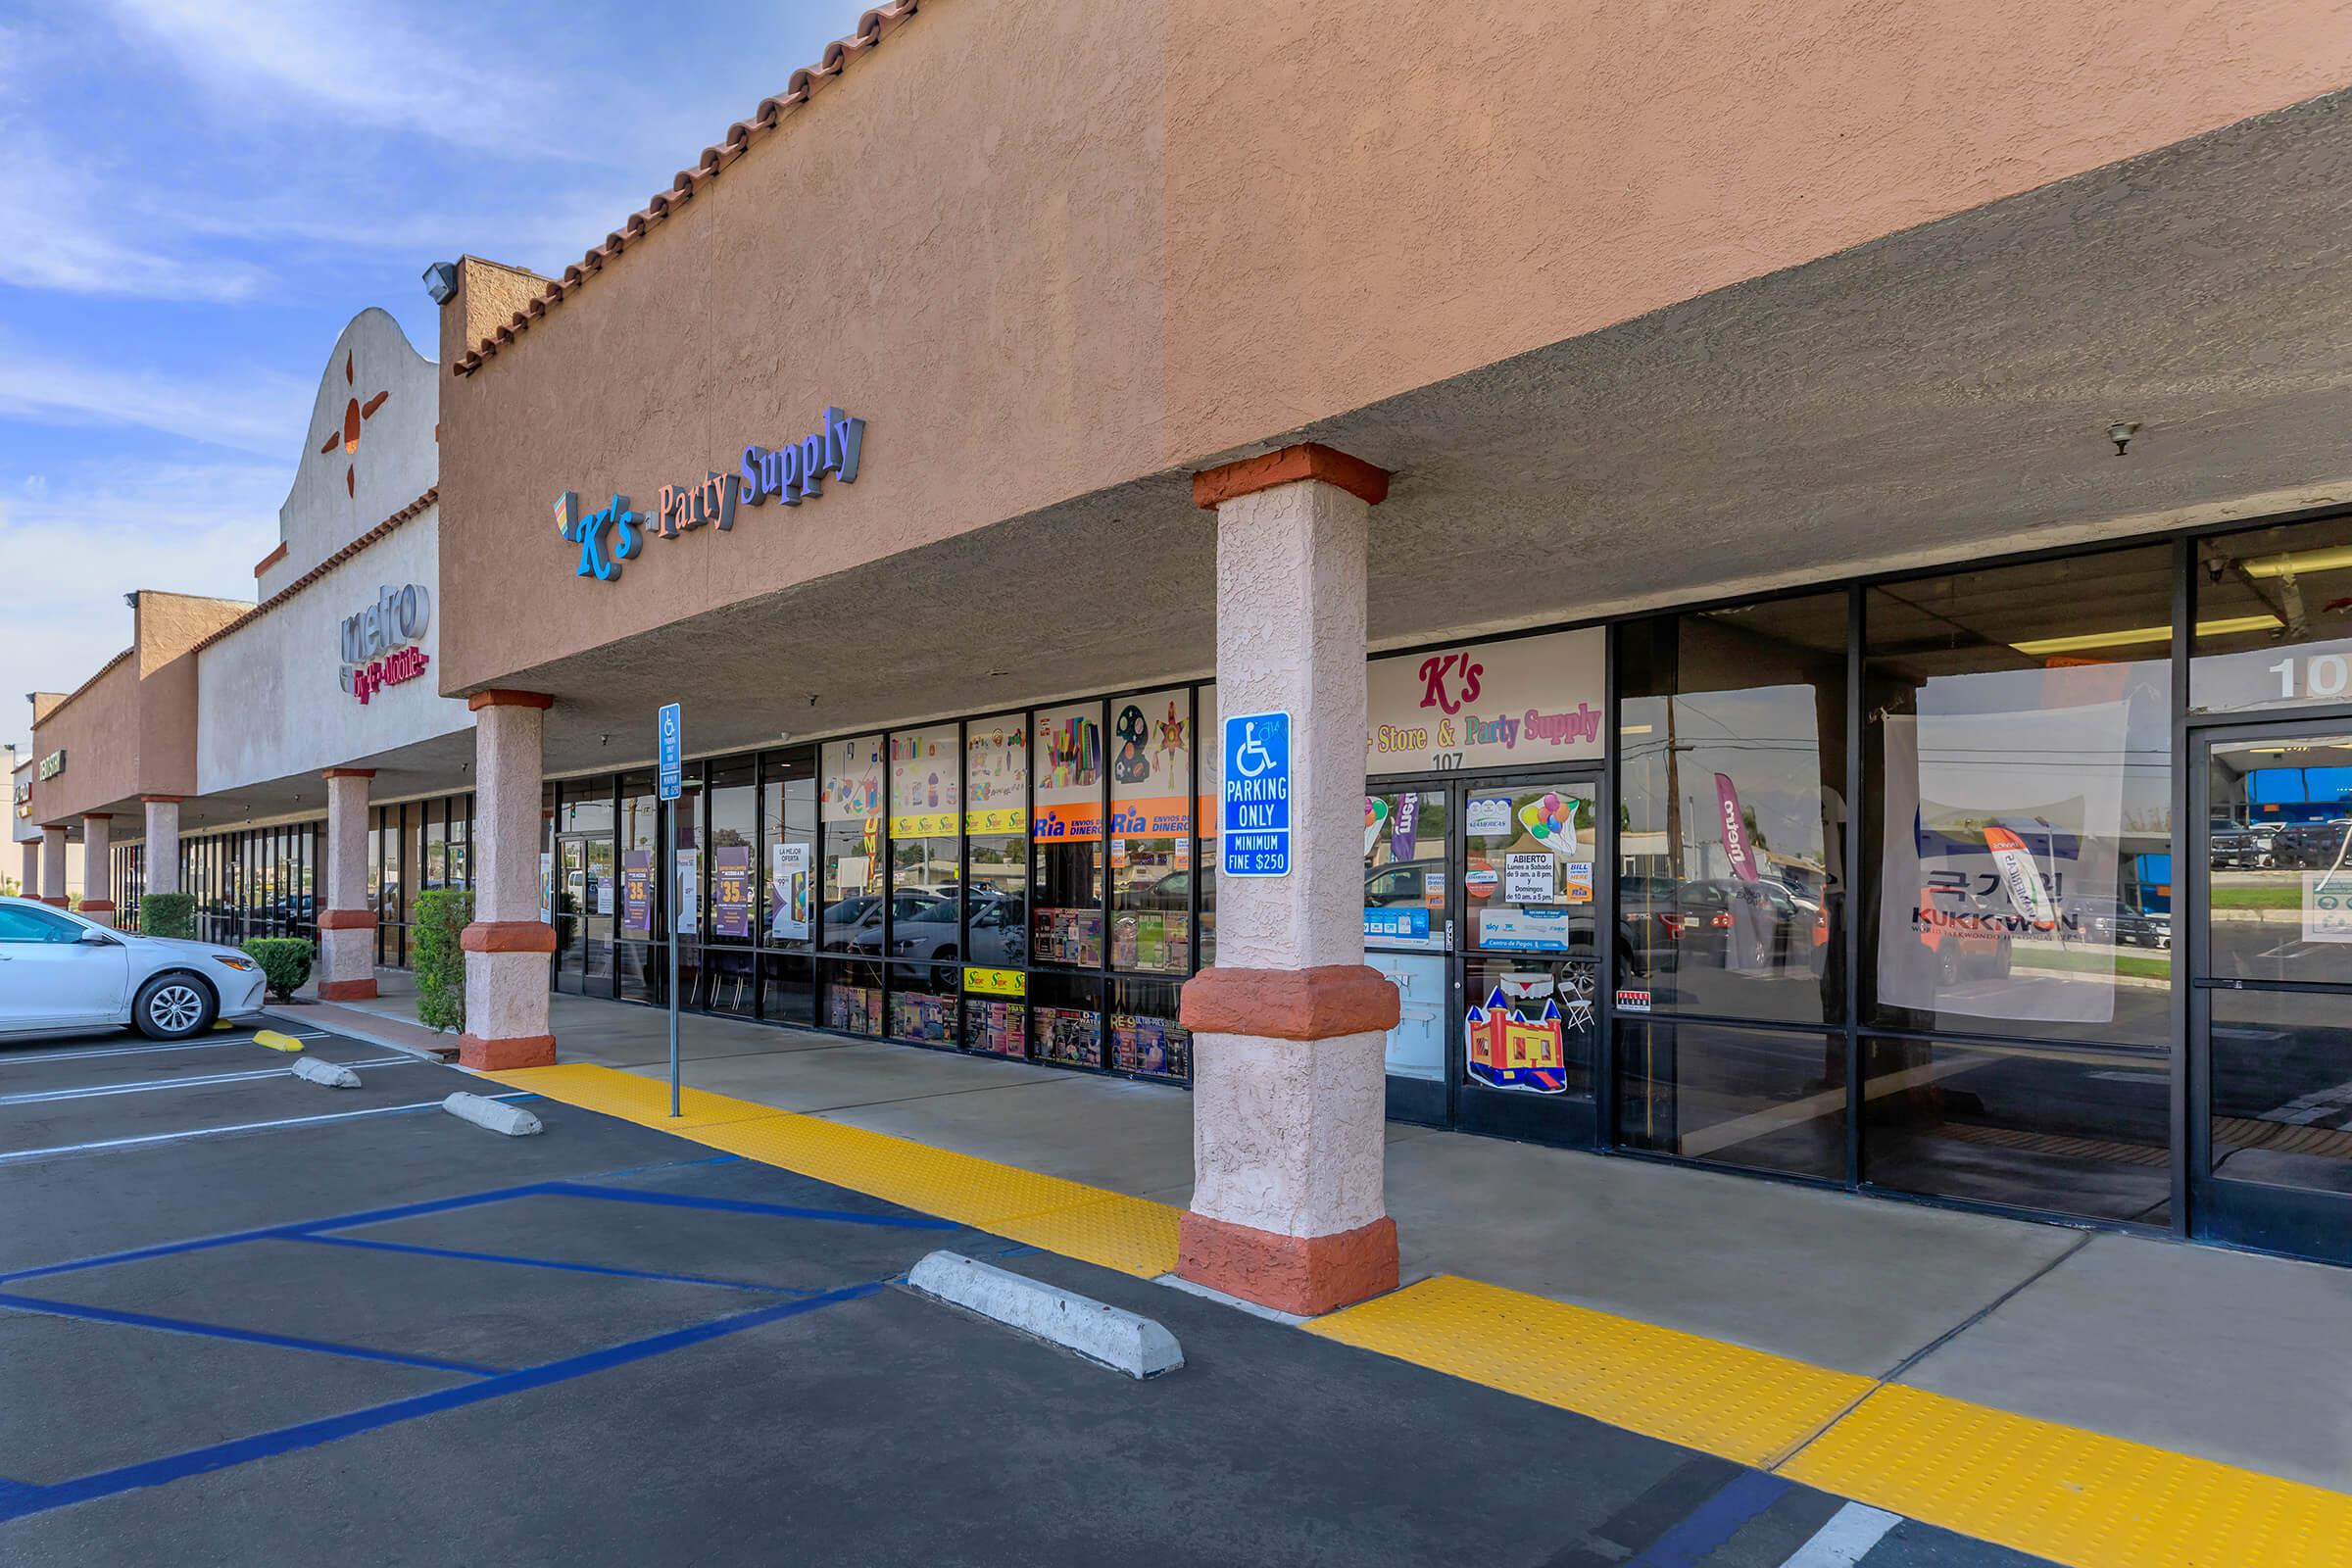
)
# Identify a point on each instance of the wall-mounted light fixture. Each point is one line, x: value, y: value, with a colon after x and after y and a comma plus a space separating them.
x: 2121, y: 433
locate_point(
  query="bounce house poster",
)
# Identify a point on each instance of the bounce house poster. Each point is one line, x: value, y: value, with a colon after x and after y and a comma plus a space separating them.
x: 1507, y: 1049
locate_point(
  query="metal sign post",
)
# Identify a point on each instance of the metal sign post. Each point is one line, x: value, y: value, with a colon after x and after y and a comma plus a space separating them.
x: 671, y: 748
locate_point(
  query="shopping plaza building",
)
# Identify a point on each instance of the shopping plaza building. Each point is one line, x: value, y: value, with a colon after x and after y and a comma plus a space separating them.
x: 1799, y: 577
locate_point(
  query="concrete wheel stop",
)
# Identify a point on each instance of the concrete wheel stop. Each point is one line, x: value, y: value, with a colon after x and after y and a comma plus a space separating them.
x: 495, y: 1114
x: 1106, y: 1335
x: 311, y: 1069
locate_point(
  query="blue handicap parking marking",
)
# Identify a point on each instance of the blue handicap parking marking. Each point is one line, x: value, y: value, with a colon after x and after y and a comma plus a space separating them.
x: 1254, y: 800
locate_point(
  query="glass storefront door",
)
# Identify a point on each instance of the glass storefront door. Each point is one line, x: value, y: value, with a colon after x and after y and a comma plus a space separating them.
x: 2271, y: 1004
x: 1527, y: 858
x: 1410, y: 936
x: 585, y: 893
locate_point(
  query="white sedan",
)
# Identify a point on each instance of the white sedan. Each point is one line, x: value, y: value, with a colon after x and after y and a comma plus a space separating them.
x: 59, y: 971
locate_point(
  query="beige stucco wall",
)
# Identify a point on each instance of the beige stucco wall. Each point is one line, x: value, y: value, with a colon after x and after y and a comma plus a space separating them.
x: 1046, y: 248
x: 131, y: 730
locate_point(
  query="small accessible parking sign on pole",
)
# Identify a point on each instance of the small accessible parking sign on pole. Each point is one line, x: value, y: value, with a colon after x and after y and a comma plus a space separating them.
x: 1254, y: 813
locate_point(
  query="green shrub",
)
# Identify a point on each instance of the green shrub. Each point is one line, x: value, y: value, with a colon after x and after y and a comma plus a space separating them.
x: 167, y: 915
x: 285, y: 963
x: 438, y: 918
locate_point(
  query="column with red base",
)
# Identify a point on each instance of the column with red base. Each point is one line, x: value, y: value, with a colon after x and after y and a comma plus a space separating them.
x: 29, y: 884
x: 53, y: 865
x: 1288, y: 1026
x: 507, y: 946
x: 346, y: 925
x: 97, y: 867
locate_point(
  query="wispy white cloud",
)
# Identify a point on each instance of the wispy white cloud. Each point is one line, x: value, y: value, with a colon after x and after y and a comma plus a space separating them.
x: 97, y: 535
x: 64, y: 234
x: 257, y: 410
x: 364, y: 66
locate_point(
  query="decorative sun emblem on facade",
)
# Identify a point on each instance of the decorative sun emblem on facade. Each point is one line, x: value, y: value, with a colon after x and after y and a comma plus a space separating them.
x: 356, y: 414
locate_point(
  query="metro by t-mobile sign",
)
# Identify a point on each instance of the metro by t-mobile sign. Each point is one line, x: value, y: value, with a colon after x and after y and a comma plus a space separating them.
x: 1254, y: 805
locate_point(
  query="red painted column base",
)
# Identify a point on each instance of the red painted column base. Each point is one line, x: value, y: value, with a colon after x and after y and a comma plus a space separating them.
x: 499, y: 1055
x: 57, y: 903
x: 347, y: 990
x: 1305, y: 1275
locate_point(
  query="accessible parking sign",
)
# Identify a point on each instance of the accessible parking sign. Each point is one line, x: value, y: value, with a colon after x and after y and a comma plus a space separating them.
x: 1254, y: 816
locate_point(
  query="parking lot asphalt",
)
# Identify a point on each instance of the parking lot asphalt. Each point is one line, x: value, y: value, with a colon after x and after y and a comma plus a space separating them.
x: 247, y: 1319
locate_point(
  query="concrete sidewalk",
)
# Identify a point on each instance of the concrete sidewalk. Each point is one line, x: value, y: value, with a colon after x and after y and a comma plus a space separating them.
x: 2224, y: 1356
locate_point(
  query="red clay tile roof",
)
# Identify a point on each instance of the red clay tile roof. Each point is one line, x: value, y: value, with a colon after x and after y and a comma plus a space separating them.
x: 372, y: 536
x: 873, y: 27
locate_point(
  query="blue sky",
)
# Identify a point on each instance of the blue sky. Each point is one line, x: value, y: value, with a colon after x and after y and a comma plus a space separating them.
x: 195, y: 195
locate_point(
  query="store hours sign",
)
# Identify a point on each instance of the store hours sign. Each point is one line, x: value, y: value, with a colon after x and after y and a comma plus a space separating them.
x: 1254, y: 805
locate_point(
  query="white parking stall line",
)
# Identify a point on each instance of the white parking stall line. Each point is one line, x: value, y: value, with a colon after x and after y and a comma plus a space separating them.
x: 12, y: 1058
x: 152, y: 1084
x: 1845, y: 1540
x: 242, y: 1127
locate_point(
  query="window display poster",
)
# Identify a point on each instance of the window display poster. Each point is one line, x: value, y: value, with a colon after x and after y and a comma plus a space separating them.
x: 1487, y: 705
x: 1506, y: 1047
x: 2001, y: 829
x: 637, y: 892
x: 1529, y: 878
x: 547, y: 888
x: 1068, y: 759
x: 686, y: 908
x: 996, y: 777
x: 602, y: 898
x: 2327, y: 905
x: 1152, y: 766
x: 788, y: 892
x: 926, y: 783
x: 853, y: 776
x: 731, y: 891
x: 1489, y: 816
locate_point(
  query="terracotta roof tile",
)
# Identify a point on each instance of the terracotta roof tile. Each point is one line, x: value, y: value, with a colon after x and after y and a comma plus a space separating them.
x: 372, y: 536
x: 873, y: 27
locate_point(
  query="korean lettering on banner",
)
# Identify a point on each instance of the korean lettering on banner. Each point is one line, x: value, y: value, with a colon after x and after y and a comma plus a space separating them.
x: 788, y: 892
x: 731, y: 891
x: 1999, y: 830
x: 1487, y: 705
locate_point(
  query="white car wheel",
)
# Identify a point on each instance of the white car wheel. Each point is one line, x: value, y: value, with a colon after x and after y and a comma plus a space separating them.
x: 172, y: 1006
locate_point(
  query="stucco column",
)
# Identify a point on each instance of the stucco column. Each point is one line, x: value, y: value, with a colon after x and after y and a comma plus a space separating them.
x: 162, y: 841
x: 346, y: 925
x: 53, y: 867
x: 29, y: 884
x: 508, y: 945
x: 97, y: 867
x: 1288, y: 1026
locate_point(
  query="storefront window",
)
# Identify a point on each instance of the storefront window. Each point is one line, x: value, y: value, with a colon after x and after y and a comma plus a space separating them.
x: 1407, y: 929
x: 1145, y: 1036
x: 640, y: 963
x: 2020, y: 770
x: 1206, y: 815
x: 853, y: 996
x: 731, y: 792
x: 2273, y: 629
x: 1761, y: 1099
x: 926, y: 848
x: 923, y: 1004
x: 1065, y: 1019
x: 851, y: 876
x: 2281, y: 1061
x: 1151, y: 833
x: 2021, y: 776
x: 436, y: 845
x: 995, y: 822
x: 1067, y: 885
x: 2279, y: 859
x: 1729, y: 892
x: 788, y: 849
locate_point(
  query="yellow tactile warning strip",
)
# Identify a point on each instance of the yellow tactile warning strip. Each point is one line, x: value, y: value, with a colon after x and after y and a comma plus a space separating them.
x: 2074, y: 1496
x: 1131, y: 1235
x: 2065, y: 1494
x: 1703, y: 1393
